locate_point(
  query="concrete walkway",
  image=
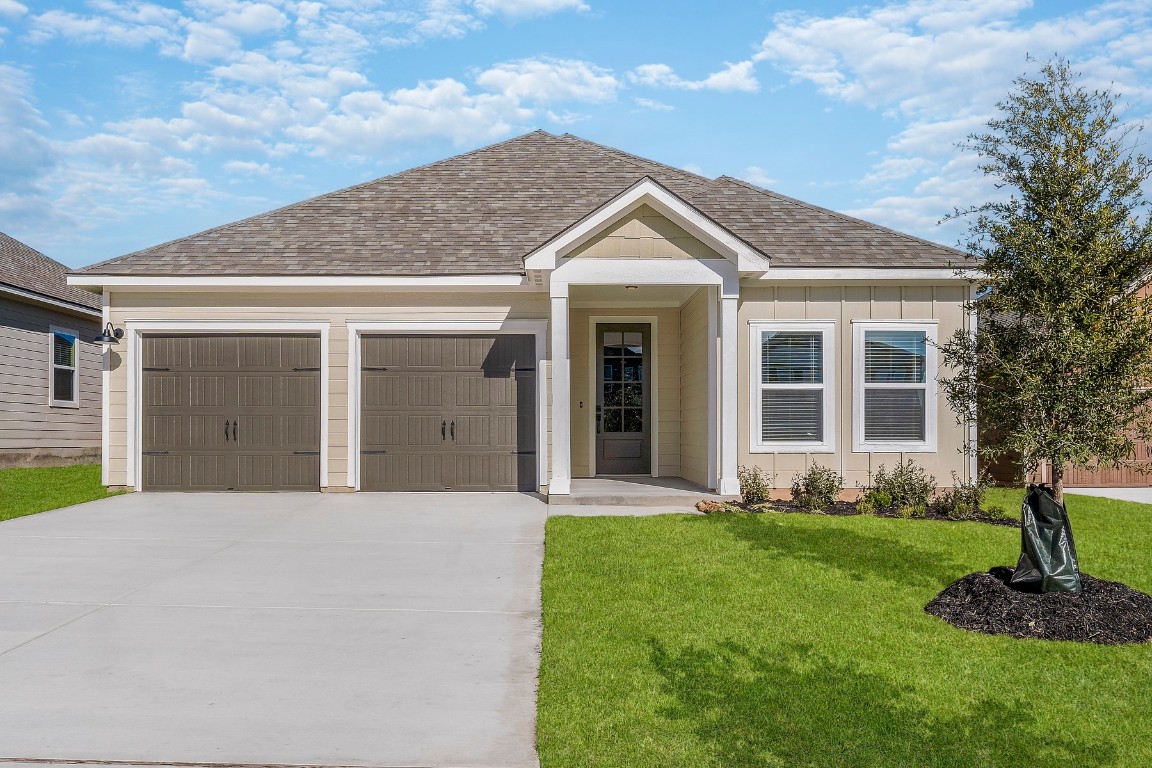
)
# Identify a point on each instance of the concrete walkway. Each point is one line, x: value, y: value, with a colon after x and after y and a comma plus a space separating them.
x: 375, y: 630
x: 1141, y: 495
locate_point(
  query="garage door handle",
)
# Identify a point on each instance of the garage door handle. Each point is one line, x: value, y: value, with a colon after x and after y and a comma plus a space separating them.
x: 443, y: 426
x: 453, y: 428
x: 226, y: 424
x: 234, y: 425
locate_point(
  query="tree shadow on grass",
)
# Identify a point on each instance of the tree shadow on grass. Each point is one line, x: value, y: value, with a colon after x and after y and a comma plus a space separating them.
x: 858, y: 555
x: 795, y: 707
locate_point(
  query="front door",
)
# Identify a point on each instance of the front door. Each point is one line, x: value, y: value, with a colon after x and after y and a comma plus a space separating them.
x: 623, y: 399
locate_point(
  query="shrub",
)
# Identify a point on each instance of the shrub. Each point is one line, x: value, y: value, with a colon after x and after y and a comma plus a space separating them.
x: 905, y: 486
x: 907, y: 511
x: 817, y: 487
x: 865, y: 507
x: 998, y: 511
x: 963, y: 501
x: 755, y: 485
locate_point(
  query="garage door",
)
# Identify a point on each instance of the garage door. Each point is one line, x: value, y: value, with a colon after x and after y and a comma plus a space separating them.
x: 231, y: 412
x: 448, y: 413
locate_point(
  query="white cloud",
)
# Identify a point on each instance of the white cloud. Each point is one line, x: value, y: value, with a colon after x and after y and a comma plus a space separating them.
x: 657, y: 106
x: 12, y: 8
x: 935, y: 69
x: 525, y: 8
x: 252, y: 19
x: 754, y: 174
x: 365, y: 121
x: 550, y: 80
x: 734, y: 77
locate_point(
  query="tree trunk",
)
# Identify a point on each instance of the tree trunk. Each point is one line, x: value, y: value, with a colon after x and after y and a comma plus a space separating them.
x: 1057, y: 481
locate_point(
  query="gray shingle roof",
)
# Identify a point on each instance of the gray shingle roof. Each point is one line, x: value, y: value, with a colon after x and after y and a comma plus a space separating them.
x: 24, y: 267
x: 484, y: 211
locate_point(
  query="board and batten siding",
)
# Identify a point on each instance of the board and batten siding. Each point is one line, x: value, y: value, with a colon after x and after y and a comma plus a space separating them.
x: 336, y: 308
x: 694, y: 388
x: 842, y: 304
x: 666, y: 343
x: 28, y: 423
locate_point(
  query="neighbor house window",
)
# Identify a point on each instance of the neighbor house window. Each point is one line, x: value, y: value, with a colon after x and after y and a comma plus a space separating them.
x: 792, y: 392
x: 63, y: 376
x: 894, y: 391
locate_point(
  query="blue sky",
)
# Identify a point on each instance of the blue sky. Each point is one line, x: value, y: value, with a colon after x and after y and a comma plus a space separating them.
x: 124, y: 124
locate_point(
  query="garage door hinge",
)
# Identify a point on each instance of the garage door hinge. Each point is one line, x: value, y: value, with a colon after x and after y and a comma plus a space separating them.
x: 305, y: 369
x: 154, y: 453
x: 305, y: 453
x: 155, y: 369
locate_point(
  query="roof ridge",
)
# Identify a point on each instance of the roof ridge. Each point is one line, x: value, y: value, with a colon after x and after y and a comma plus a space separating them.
x: 305, y: 201
x: 812, y: 206
x: 637, y: 159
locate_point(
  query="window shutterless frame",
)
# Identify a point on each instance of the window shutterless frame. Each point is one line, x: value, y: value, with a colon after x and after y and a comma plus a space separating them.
x: 860, y: 328
x: 63, y: 367
x: 826, y: 387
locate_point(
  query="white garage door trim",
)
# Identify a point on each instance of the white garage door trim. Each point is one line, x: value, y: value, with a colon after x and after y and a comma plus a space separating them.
x: 536, y: 328
x: 135, y: 330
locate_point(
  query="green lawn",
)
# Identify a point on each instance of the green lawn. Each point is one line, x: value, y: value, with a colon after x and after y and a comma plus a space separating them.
x: 26, y: 491
x: 800, y: 640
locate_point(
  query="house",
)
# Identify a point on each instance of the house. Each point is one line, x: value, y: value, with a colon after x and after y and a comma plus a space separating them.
x: 523, y: 316
x: 50, y: 372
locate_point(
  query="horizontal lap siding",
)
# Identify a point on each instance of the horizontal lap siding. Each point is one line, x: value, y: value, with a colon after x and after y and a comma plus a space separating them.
x: 337, y: 308
x: 842, y: 304
x: 27, y: 421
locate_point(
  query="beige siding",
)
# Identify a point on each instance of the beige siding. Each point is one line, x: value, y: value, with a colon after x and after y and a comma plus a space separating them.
x: 27, y: 421
x: 843, y: 304
x: 644, y: 234
x: 694, y: 388
x: 337, y: 308
x: 666, y: 340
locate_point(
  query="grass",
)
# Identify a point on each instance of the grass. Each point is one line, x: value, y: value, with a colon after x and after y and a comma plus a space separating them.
x: 28, y: 490
x: 801, y: 640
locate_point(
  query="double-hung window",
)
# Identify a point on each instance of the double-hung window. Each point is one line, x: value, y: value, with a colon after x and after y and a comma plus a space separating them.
x: 894, y: 386
x: 793, y: 393
x: 63, y: 368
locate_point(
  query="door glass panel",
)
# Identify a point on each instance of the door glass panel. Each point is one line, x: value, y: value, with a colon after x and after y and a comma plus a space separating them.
x: 633, y: 420
x: 633, y: 370
x: 612, y: 395
x: 613, y: 369
x: 611, y: 419
x: 634, y: 395
x: 613, y: 338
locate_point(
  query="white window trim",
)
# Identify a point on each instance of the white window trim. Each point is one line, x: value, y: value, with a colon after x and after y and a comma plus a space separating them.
x: 755, y: 428
x: 52, y: 401
x: 928, y: 445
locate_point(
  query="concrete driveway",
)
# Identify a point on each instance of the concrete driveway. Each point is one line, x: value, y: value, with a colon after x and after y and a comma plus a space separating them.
x: 303, y: 629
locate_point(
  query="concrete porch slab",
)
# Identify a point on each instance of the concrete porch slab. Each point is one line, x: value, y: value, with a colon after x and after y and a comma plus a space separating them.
x: 618, y: 491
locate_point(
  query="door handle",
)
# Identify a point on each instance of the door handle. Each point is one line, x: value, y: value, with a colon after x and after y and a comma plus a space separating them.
x: 226, y: 423
x: 453, y: 430
x: 443, y: 427
x: 599, y: 417
x: 234, y: 425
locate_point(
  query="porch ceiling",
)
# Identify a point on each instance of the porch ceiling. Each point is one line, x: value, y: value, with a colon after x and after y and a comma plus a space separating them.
x: 620, y: 296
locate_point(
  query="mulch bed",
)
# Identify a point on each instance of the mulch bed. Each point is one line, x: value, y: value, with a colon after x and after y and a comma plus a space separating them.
x: 847, y: 508
x: 1105, y: 612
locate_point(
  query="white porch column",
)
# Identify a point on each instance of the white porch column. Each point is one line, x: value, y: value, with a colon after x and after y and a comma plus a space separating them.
x: 561, y: 481
x: 729, y: 395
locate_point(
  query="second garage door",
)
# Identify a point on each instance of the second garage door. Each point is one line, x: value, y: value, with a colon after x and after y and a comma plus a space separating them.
x: 448, y: 413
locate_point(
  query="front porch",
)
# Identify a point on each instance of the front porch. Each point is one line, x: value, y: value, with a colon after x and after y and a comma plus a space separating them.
x: 631, y: 491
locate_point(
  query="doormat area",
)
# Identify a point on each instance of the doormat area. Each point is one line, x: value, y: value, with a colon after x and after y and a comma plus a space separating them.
x: 1105, y: 612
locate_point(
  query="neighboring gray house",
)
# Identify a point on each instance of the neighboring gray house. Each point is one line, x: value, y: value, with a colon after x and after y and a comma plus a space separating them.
x: 49, y: 366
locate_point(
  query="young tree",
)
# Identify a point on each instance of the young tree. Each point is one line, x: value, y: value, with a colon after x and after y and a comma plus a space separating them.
x: 1063, y: 350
